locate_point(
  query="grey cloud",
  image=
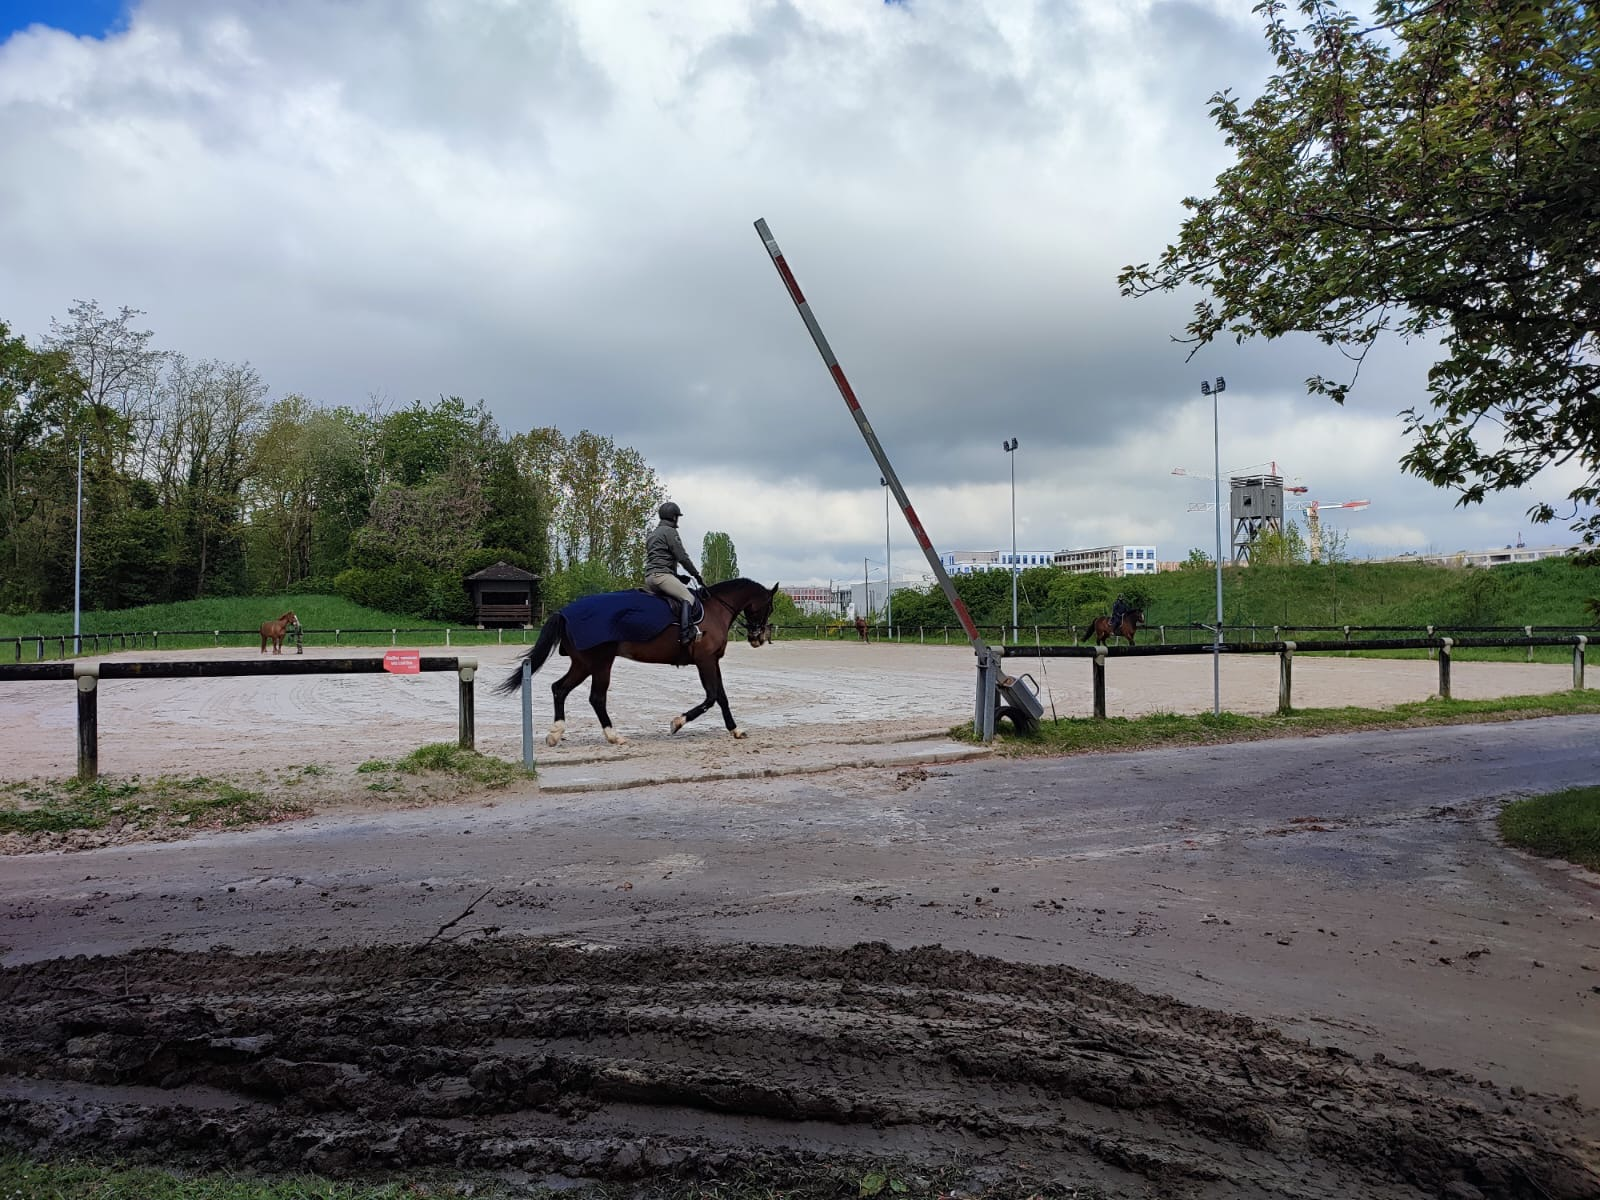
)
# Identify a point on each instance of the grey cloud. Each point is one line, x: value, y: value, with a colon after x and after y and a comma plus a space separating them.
x: 549, y: 208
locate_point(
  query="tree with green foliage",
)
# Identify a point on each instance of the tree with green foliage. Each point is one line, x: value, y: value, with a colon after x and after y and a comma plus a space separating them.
x: 718, y: 559
x: 1430, y: 174
x: 587, y: 577
x: 1279, y: 548
x: 122, y: 373
x: 196, y: 483
x: 596, y: 498
x: 1196, y: 560
x: 41, y: 414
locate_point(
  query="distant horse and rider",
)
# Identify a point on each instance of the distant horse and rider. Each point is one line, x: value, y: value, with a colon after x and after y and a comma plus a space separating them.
x: 1101, y: 628
x: 275, y: 631
x: 861, y: 629
x: 1123, y: 622
x: 654, y: 638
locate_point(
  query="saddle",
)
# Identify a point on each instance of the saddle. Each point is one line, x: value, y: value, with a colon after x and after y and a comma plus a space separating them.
x: 697, y: 611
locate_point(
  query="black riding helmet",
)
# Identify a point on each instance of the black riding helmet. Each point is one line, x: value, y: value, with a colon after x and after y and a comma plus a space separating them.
x: 669, y: 511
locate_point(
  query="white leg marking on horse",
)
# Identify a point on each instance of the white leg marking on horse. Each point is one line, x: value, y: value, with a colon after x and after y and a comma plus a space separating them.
x: 678, y: 723
x: 737, y: 732
x: 553, y: 738
x: 615, y: 738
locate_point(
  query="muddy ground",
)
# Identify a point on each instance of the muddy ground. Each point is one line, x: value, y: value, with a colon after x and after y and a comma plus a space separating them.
x: 613, y: 1063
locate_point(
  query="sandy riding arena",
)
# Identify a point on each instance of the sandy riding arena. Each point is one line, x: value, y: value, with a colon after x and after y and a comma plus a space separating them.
x: 806, y: 706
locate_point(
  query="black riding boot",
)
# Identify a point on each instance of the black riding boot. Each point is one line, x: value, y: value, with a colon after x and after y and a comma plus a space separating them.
x: 685, y: 626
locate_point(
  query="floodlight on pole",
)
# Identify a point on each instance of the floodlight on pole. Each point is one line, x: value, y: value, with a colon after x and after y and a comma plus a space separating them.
x: 1010, y: 447
x: 1207, y: 389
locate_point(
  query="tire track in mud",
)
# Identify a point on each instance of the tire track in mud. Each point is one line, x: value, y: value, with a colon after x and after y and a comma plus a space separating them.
x: 622, y: 1063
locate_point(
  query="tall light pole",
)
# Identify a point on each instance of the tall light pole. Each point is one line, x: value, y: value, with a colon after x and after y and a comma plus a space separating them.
x: 1010, y: 447
x: 77, y: 562
x: 888, y: 565
x: 1206, y: 389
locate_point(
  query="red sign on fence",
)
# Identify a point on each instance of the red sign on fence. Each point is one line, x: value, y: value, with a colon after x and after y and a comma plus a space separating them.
x: 403, y: 662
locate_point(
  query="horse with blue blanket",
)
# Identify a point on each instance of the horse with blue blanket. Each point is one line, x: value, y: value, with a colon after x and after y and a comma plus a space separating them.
x: 597, y: 630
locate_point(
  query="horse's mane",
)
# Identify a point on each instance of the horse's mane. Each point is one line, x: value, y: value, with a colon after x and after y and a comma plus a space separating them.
x: 730, y: 584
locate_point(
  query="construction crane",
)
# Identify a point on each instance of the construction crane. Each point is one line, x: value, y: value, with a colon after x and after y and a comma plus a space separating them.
x: 1314, y: 521
x: 1313, y: 510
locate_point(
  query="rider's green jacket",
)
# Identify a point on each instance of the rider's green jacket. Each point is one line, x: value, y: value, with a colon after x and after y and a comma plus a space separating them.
x: 663, y: 552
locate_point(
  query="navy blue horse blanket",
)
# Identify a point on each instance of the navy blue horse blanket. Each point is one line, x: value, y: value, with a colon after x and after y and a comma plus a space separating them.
x: 635, y: 616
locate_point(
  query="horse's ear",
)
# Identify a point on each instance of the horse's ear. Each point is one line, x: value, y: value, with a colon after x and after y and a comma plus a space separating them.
x: 774, y: 591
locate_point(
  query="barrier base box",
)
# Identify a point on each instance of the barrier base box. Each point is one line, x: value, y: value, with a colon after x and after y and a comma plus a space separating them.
x: 1019, y: 700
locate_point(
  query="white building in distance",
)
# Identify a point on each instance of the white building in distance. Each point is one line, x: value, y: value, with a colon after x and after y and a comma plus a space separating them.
x: 1115, y: 561
x: 965, y: 562
x: 1497, y: 557
x: 811, y: 600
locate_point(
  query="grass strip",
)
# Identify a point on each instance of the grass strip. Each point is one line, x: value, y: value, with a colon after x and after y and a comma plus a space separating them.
x: 171, y: 803
x: 193, y: 801
x: 1562, y: 825
x: 451, y: 759
x: 1079, y: 735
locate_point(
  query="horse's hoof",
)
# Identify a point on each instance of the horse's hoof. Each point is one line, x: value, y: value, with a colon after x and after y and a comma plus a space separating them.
x: 737, y: 732
x: 553, y: 738
x: 615, y: 738
x: 678, y: 723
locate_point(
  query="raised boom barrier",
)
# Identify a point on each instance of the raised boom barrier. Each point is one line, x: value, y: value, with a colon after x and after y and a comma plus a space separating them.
x: 88, y: 675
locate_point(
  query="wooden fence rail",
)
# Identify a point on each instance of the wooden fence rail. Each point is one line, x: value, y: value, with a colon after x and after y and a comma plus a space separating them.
x: 60, y: 645
x: 88, y: 675
x: 1444, y: 647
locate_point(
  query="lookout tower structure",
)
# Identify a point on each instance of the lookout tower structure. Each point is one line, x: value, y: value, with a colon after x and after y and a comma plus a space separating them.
x: 1256, y: 506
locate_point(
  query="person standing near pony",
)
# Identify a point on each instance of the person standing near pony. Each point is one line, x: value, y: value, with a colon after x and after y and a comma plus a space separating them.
x: 663, y: 554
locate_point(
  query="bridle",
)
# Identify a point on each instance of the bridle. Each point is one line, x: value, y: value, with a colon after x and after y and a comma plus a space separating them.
x: 741, y: 615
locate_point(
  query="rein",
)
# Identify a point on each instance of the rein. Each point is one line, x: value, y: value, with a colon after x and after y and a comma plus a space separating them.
x: 738, y: 614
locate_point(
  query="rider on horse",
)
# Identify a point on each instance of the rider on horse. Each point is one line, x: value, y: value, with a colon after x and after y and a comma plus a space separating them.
x: 663, y: 553
x: 1119, y: 610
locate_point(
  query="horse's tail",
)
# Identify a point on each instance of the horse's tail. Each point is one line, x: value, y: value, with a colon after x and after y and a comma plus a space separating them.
x: 549, y: 637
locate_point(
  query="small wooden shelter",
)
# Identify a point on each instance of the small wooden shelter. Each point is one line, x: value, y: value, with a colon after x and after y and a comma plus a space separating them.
x: 503, y: 595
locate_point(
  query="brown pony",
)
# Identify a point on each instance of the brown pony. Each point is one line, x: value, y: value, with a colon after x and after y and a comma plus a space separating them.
x: 861, y: 628
x: 273, y: 631
x: 1100, y: 628
x: 724, y: 602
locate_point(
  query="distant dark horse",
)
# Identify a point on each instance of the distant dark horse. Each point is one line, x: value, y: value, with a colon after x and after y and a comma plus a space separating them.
x: 1100, y: 628
x: 724, y: 602
x: 861, y: 628
x: 273, y: 631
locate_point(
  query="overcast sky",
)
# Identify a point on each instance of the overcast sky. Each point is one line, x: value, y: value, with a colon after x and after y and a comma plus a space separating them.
x: 548, y: 206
